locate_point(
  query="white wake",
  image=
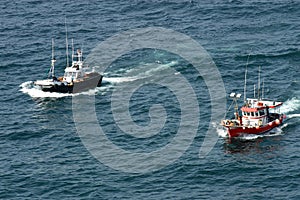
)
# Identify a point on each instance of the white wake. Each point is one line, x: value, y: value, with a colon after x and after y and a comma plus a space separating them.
x: 109, y: 80
x: 29, y: 88
x: 290, y: 105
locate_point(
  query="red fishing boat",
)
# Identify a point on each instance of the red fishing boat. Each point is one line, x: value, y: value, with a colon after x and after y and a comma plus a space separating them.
x: 256, y: 116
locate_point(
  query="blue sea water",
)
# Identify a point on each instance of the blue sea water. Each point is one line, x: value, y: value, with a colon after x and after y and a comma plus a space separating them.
x: 42, y: 154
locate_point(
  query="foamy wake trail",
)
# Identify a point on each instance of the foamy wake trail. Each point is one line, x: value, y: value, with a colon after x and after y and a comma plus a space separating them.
x: 157, y: 67
x: 34, y: 92
x: 147, y: 69
x: 142, y: 71
x: 293, y: 115
x: 119, y: 79
x: 290, y: 105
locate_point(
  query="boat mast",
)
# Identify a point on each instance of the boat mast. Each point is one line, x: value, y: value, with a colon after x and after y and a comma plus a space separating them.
x: 67, y: 48
x: 51, y: 72
x: 81, y: 51
x: 263, y: 87
x: 258, y: 84
x: 245, y: 84
x: 72, y: 50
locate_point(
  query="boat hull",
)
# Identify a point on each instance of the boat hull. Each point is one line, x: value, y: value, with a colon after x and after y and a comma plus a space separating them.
x: 237, y: 131
x: 92, y: 81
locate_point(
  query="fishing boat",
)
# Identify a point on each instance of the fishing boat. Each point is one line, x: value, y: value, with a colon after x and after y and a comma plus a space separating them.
x: 77, y: 77
x: 257, y: 116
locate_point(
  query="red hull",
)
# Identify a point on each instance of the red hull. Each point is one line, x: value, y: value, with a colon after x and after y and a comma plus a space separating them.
x: 240, y: 130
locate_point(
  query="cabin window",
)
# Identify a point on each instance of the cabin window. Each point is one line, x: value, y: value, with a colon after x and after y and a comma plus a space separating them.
x: 256, y: 114
x: 252, y: 114
x: 261, y: 112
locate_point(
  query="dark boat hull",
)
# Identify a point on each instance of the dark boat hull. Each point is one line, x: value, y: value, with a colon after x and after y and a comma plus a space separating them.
x: 92, y: 81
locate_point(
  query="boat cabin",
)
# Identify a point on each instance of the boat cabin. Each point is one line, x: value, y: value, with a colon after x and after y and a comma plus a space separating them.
x: 254, y: 116
x: 72, y: 74
x: 259, y: 112
x: 75, y: 72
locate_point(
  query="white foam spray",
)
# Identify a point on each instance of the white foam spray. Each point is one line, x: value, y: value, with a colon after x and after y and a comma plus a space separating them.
x: 290, y: 105
x: 33, y: 91
x: 220, y: 130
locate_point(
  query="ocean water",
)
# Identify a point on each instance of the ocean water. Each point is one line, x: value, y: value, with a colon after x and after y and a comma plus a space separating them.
x: 43, y: 154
